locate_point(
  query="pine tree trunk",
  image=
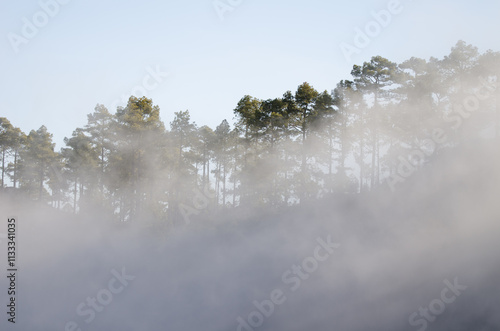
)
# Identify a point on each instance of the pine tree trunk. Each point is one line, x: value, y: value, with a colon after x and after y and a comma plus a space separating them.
x: 204, y: 164
x: 303, y: 165
x: 235, y: 179
x: 40, y: 188
x: 15, y: 169
x: 3, y: 167
x: 102, y: 171
x: 224, y: 187
x: 74, y: 197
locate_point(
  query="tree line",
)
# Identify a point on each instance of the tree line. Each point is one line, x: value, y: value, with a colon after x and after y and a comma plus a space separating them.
x: 299, y: 146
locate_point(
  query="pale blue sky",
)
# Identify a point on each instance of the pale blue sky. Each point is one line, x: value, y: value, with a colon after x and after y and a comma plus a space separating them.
x: 96, y: 51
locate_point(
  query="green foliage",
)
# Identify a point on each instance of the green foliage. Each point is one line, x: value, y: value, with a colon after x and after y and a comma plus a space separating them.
x: 280, y: 151
x: 39, y: 163
x: 10, y: 142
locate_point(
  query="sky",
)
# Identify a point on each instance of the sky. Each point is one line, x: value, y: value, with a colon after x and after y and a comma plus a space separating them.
x: 63, y: 57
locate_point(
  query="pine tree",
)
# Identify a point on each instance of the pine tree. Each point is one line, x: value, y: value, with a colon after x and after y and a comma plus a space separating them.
x: 38, y: 162
x: 373, y: 79
x: 10, y: 140
x: 139, y: 135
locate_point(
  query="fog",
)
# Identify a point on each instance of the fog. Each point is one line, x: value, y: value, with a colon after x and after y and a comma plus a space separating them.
x: 395, y: 253
x: 414, y: 252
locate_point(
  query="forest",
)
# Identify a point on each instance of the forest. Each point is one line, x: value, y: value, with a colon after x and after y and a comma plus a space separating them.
x: 306, y: 144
